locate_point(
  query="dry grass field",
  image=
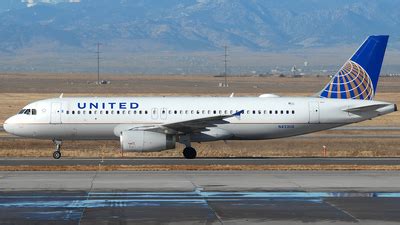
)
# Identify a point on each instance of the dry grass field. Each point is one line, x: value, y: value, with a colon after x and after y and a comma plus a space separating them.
x: 17, y: 90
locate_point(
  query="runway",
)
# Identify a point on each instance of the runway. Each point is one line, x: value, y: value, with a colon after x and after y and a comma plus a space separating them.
x: 198, y: 161
x: 179, y: 197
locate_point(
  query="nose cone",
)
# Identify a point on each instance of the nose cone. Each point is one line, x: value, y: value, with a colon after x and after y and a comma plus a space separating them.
x: 8, y: 125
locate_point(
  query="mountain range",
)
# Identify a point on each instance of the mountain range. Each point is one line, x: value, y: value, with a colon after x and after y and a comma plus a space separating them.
x: 61, y: 26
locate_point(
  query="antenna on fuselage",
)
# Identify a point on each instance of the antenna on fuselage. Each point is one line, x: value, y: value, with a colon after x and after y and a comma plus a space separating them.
x: 61, y: 96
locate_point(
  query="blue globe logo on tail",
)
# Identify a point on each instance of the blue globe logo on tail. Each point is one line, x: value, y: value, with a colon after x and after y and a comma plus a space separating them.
x: 352, y: 81
x: 358, y: 78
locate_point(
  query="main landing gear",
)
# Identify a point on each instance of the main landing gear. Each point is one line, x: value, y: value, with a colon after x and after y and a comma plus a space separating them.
x: 189, y: 153
x: 57, y: 151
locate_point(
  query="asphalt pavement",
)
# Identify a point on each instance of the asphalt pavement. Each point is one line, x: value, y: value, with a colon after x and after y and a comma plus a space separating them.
x: 200, y: 197
x: 198, y: 161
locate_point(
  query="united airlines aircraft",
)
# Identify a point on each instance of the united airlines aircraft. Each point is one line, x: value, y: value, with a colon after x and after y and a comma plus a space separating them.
x: 149, y: 124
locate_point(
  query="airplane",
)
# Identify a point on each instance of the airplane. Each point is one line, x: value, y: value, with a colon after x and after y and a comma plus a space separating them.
x: 151, y: 124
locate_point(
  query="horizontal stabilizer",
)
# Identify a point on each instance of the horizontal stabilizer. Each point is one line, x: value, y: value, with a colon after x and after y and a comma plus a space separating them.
x: 366, y: 108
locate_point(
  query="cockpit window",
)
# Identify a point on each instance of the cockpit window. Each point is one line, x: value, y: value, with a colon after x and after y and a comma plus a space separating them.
x: 28, y: 111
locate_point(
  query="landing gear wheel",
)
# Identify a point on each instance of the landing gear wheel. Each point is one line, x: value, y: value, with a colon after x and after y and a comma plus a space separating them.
x: 189, y: 153
x: 56, y: 154
x: 57, y: 151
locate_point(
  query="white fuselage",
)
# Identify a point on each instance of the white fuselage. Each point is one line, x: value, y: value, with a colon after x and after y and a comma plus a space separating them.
x: 263, y: 118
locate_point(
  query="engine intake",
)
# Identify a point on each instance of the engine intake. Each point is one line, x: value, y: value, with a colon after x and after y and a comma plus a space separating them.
x: 146, y: 141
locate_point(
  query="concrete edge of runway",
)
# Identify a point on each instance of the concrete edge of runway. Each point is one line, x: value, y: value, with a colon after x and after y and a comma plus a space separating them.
x: 190, y: 181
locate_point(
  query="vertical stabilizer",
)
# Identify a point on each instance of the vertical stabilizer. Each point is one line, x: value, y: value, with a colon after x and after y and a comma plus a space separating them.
x: 358, y: 77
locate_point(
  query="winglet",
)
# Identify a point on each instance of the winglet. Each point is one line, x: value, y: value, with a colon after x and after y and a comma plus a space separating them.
x: 238, y: 113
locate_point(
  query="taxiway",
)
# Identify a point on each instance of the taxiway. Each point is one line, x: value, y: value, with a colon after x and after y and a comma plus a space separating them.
x: 202, y: 197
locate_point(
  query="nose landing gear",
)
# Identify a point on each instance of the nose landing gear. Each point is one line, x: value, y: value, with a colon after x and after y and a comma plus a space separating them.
x: 57, y: 151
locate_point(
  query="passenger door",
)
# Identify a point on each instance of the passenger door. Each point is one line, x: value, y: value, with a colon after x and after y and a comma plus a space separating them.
x: 55, y: 113
x: 313, y: 112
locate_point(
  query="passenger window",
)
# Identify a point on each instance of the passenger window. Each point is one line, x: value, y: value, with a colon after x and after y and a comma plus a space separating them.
x: 90, y: 112
x: 198, y: 112
x: 73, y: 112
x: 78, y: 112
x: 254, y: 111
x: 34, y: 112
x: 117, y: 112
x: 145, y: 112
x: 270, y: 111
x: 112, y: 111
x: 259, y: 112
x: 67, y: 112
x: 287, y: 111
x: 281, y: 111
x: 175, y: 112
x: 276, y: 111
x: 215, y: 112
x: 292, y: 111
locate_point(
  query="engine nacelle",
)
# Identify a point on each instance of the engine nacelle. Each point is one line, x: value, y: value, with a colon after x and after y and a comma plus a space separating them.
x: 146, y: 141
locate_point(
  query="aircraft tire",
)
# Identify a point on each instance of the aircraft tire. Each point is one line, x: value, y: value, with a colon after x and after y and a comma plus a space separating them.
x: 56, y: 154
x: 189, y: 153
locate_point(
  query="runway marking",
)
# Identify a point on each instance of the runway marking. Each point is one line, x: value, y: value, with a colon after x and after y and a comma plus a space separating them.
x: 343, y: 211
x: 88, y: 196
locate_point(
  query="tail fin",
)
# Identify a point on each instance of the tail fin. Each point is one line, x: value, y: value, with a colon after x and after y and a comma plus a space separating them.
x: 358, y: 77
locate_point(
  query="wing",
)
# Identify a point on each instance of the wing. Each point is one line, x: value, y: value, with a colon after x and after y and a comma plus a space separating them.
x: 190, y: 126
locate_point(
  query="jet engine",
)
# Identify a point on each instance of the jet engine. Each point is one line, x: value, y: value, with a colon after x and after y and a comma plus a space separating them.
x: 146, y: 141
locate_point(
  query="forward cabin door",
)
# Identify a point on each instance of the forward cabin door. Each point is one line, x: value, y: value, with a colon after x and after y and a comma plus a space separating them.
x: 313, y: 112
x: 55, y: 115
